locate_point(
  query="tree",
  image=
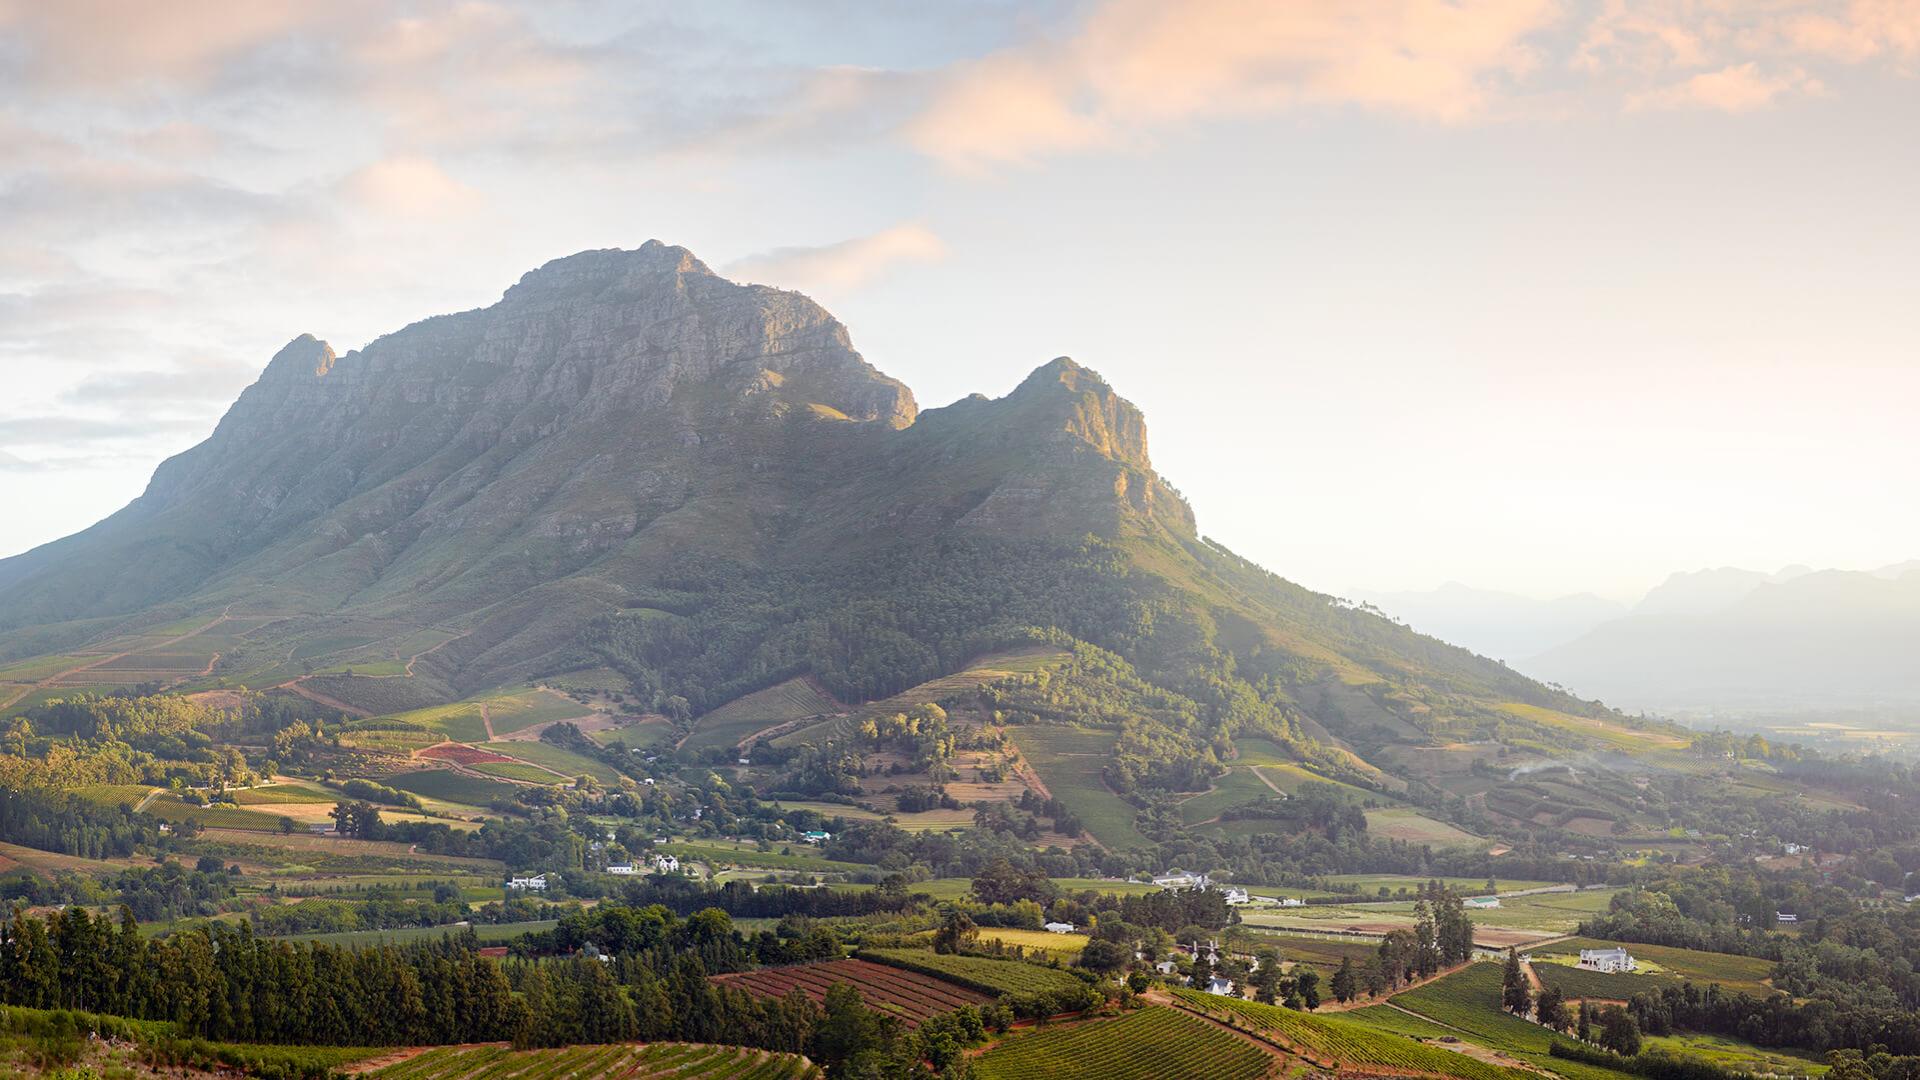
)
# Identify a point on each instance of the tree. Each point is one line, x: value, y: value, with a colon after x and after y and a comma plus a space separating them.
x: 956, y: 929
x: 1515, y: 995
x: 1345, y: 983
x: 1619, y: 1031
x: 1551, y: 1008
x: 1307, y: 985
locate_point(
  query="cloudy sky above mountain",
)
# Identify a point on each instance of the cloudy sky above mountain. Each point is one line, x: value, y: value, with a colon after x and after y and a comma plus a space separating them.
x: 1546, y: 296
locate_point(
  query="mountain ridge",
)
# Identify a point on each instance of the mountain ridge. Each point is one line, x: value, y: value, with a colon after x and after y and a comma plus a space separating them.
x: 630, y: 463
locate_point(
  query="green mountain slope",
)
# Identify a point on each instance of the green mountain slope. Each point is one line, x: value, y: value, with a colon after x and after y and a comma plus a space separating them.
x: 631, y: 463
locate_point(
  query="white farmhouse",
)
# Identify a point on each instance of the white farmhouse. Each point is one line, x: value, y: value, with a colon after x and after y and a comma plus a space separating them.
x: 1220, y: 985
x: 536, y: 883
x: 666, y: 864
x: 1180, y: 879
x: 1614, y: 961
x: 1059, y: 928
x: 1238, y: 897
x: 623, y: 869
x: 1292, y: 901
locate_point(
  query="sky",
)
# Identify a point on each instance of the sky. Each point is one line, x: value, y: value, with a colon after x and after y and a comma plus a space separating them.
x: 1538, y: 295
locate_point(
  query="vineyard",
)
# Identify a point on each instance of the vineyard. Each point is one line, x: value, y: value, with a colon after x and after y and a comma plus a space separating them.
x: 1150, y: 1044
x: 985, y: 974
x: 909, y: 995
x: 627, y: 1061
x: 1469, y: 999
x: 1328, y: 1040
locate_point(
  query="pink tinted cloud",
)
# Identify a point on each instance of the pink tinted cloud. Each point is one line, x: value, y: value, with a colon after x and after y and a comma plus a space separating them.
x: 1135, y: 64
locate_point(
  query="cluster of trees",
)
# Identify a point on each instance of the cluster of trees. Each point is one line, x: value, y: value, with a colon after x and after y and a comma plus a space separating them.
x: 167, y: 891
x: 1818, y: 1024
x: 68, y: 824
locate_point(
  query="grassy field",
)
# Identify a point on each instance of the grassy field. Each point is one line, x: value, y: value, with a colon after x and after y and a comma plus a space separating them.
x: 1577, y: 982
x: 795, y: 699
x: 114, y: 795
x: 512, y: 712
x: 1234, y: 787
x: 460, y: 721
x: 1153, y: 1043
x: 1064, y: 946
x: 1327, y: 1040
x: 1469, y: 1000
x: 451, y: 786
x: 1739, y: 1056
x: 1739, y: 973
x: 985, y: 974
x: 280, y: 794
x: 518, y: 770
x: 1401, y: 823
x: 1069, y: 761
x: 559, y: 759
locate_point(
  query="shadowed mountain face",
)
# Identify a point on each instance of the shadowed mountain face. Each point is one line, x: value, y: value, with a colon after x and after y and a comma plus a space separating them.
x: 629, y: 461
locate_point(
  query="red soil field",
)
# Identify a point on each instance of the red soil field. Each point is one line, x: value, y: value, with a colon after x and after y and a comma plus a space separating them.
x: 462, y: 754
x: 907, y: 994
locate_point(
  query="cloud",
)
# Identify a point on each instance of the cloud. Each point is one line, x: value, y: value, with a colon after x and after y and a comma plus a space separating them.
x: 67, y: 431
x: 845, y: 265
x: 10, y: 463
x: 1738, y: 88
x: 408, y: 186
x: 190, y: 382
x: 1134, y: 65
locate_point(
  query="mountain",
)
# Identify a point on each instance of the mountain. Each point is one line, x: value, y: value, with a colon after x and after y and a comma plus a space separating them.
x: 1734, y: 639
x: 696, y: 489
x: 1503, y: 625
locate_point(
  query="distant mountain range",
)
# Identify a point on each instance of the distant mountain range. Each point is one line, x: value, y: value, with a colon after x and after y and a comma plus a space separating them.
x: 1717, y: 639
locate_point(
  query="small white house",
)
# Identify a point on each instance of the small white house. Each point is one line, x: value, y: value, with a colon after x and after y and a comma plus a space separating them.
x: 623, y: 869
x: 1166, y: 967
x: 1613, y: 961
x: 1059, y: 928
x: 536, y: 883
x: 666, y: 864
x: 1794, y: 849
x: 1786, y: 916
x: 1220, y: 985
x: 1292, y: 901
x: 1480, y: 903
x: 1238, y: 897
x: 816, y: 836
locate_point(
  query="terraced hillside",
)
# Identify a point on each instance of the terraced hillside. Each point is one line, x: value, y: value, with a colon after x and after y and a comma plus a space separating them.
x: 624, y: 1061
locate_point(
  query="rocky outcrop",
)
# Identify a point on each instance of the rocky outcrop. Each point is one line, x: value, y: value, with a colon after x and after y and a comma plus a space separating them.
x: 612, y: 409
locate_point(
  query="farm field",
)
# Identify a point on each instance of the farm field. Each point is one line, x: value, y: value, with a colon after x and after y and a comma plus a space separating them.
x: 299, y: 844
x: 1064, y: 946
x: 559, y: 759
x: 986, y: 669
x: 1236, y: 786
x: 795, y: 699
x: 1401, y: 823
x: 684, y: 1061
x: 1740, y: 973
x: 985, y: 974
x: 518, y: 770
x: 1372, y: 883
x: 461, y: 721
x: 1326, y: 1040
x: 169, y: 807
x: 1742, y: 1056
x: 1469, y: 1000
x: 830, y: 809
x: 1577, y: 982
x: 715, y: 851
x: 1154, y: 1043
x: 909, y: 995
x: 451, y: 786
x: 1069, y: 761
x: 514, y: 712
x: 487, y: 933
x: 279, y: 794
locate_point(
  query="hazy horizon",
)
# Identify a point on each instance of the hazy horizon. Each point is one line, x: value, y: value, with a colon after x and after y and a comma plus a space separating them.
x: 1542, y: 298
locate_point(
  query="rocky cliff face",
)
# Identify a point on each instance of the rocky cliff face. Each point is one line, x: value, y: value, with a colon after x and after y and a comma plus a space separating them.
x: 539, y: 459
